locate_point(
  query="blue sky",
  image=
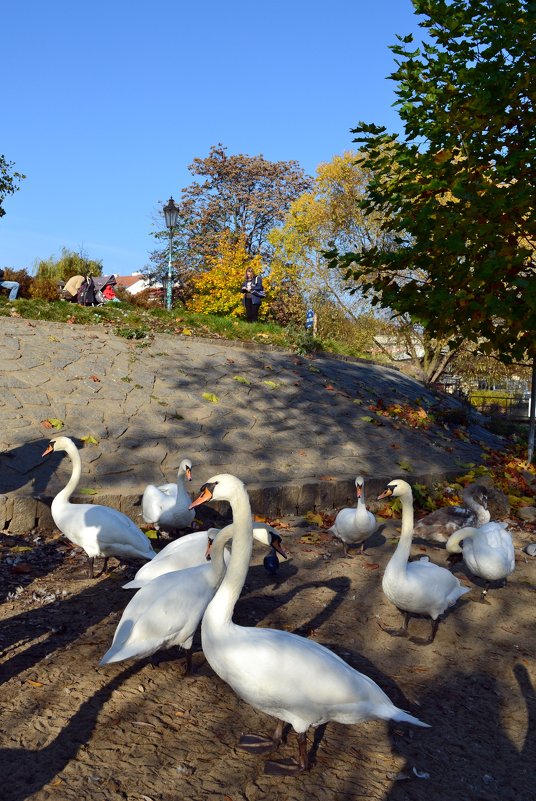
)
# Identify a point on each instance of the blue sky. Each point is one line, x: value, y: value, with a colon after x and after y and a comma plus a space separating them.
x: 105, y: 104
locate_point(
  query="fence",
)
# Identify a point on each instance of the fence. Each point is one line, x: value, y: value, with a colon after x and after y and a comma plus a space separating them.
x: 514, y: 407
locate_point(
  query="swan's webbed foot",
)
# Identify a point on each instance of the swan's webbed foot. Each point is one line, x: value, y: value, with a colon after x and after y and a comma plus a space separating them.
x: 289, y: 767
x: 104, y: 568
x: 427, y: 640
x: 402, y: 632
x: 346, y: 552
x: 283, y: 767
x: 256, y: 744
x: 394, y: 632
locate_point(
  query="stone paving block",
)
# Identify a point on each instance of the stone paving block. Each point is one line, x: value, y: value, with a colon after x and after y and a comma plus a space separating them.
x: 24, y: 515
x: 130, y: 505
x: 6, y: 510
x: 44, y: 517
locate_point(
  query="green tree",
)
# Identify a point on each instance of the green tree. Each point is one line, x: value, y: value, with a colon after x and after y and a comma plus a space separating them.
x: 457, y: 190
x: 49, y: 272
x: 8, y: 181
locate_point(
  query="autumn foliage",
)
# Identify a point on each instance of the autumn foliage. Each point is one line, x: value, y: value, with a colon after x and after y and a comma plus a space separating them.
x: 217, y: 289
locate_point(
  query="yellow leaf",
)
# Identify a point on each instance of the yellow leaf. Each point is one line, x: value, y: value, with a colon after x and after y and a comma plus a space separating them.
x: 53, y: 422
x: 314, y: 517
x: 35, y: 683
x: 20, y: 548
x: 209, y: 396
x: 186, y: 332
x: 89, y: 439
x: 271, y: 384
x: 86, y: 491
x: 241, y: 379
x: 152, y: 534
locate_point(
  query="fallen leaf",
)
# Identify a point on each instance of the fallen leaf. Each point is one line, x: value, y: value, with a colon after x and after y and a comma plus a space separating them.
x: 89, y: 439
x: 34, y: 683
x: 271, y: 384
x: 404, y: 465
x: 209, y: 396
x: 95, y: 378
x: 371, y: 565
x: 314, y: 517
x: 241, y: 379
x: 52, y: 422
x: 86, y: 491
x: 152, y: 534
x: 20, y: 548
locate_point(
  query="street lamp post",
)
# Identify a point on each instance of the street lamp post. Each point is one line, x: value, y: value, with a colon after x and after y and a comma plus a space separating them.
x: 171, y: 212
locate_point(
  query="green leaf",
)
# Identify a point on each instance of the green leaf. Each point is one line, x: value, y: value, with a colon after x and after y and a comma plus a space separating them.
x: 271, y: 384
x: 86, y: 491
x: 152, y: 534
x: 367, y: 419
x: 241, y: 379
x: 89, y: 439
x: 209, y: 396
x: 55, y: 423
x: 405, y: 465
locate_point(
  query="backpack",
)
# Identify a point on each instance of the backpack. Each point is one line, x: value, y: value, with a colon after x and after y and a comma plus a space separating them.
x: 86, y: 293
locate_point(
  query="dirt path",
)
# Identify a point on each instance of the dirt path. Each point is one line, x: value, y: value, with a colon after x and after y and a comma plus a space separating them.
x: 72, y: 731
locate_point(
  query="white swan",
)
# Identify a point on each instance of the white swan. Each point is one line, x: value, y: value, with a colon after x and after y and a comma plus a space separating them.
x: 416, y: 588
x: 99, y: 530
x: 487, y: 551
x: 191, y: 550
x: 289, y: 677
x: 355, y: 525
x: 168, y: 610
x: 441, y: 523
x: 168, y: 510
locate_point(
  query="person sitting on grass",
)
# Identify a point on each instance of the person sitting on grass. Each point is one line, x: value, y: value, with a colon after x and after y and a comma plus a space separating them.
x: 13, y: 286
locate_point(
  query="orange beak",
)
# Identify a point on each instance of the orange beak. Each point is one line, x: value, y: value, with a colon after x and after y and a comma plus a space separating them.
x: 385, y: 494
x: 48, y: 450
x: 204, y: 496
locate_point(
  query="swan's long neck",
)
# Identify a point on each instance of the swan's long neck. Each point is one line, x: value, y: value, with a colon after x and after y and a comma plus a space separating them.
x: 453, y: 543
x: 65, y: 494
x: 401, y: 555
x: 220, y: 609
x: 218, y: 548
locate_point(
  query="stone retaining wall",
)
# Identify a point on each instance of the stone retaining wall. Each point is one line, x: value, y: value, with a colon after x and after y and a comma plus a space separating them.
x: 21, y: 514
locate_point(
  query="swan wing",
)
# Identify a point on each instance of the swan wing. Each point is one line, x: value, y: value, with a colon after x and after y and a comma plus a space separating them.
x: 165, y: 612
x: 489, y: 553
x: 181, y: 554
x: 422, y: 588
x: 154, y: 502
x: 293, y: 678
x: 101, y: 530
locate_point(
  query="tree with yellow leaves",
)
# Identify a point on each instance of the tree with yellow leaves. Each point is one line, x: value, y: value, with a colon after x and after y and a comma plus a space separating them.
x: 217, y: 289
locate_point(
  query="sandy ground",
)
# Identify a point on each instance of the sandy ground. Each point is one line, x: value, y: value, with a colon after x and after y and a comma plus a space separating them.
x: 72, y: 730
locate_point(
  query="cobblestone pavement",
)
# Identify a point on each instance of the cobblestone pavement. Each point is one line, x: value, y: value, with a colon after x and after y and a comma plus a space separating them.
x: 296, y: 429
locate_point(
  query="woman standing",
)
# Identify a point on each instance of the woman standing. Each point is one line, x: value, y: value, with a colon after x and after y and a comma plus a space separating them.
x: 252, y: 294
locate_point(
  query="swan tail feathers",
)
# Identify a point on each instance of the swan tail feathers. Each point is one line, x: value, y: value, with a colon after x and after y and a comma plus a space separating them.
x: 404, y: 717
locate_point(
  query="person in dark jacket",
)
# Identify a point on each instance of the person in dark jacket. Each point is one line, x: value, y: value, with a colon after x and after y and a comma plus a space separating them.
x: 252, y: 294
